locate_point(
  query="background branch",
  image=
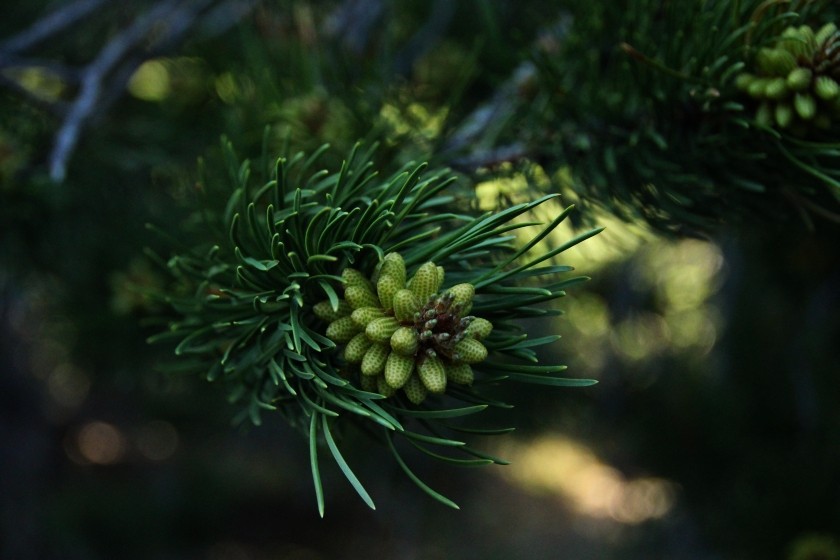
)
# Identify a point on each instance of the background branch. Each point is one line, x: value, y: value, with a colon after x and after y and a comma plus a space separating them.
x: 102, y: 81
x: 50, y: 25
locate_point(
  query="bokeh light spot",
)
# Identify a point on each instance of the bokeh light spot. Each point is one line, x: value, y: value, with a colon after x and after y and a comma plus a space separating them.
x: 40, y: 82
x: 641, y: 336
x: 569, y: 469
x: 150, y: 81
x: 100, y: 443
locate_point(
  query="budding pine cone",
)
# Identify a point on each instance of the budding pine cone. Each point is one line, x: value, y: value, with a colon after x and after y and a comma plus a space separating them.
x: 386, y: 287
x: 374, y: 360
x: 796, y: 80
x: 383, y: 388
x: 432, y: 373
x: 342, y: 329
x: 406, y: 333
x: 415, y: 390
x: 470, y: 351
x: 394, y: 265
x: 324, y: 310
x: 398, y: 369
x: 364, y: 315
x: 406, y: 305
x: 360, y: 296
x: 426, y: 281
x: 462, y: 294
x: 353, y: 277
x: 380, y: 330
x: 356, y: 348
x: 404, y: 341
x: 479, y: 328
x: 461, y: 374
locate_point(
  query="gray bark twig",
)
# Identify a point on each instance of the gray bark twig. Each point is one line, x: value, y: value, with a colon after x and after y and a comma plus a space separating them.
x: 103, y: 79
x: 49, y: 25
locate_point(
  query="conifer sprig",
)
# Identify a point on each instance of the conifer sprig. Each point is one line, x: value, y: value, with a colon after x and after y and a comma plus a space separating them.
x: 667, y: 131
x: 261, y: 305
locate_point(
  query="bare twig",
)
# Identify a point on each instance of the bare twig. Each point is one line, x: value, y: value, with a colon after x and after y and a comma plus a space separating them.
x: 224, y: 16
x: 491, y: 157
x: 212, y: 20
x: 102, y: 81
x: 50, y: 24
x: 478, y: 130
x: 91, y: 84
x: 474, y: 142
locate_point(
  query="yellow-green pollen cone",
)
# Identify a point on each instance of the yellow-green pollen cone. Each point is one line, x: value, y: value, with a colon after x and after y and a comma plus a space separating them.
x: 796, y: 81
x: 406, y: 333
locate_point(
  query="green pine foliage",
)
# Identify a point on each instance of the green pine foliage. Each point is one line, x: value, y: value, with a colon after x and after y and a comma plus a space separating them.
x: 661, y: 128
x: 260, y: 301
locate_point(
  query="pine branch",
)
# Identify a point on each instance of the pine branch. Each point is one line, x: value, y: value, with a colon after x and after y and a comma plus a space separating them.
x: 361, y: 298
